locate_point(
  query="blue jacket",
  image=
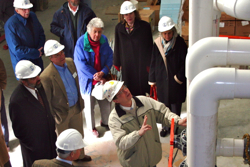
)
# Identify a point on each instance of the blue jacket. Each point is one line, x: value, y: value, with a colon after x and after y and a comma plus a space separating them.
x: 22, y: 45
x: 63, y: 27
x: 84, y: 58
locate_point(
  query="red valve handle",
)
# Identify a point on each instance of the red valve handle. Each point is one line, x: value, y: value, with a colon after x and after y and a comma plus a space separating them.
x: 170, y: 158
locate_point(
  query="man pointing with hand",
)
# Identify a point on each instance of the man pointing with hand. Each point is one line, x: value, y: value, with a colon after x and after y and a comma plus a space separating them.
x: 133, y: 125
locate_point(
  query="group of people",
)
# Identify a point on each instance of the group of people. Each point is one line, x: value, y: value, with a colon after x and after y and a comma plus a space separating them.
x: 48, y: 103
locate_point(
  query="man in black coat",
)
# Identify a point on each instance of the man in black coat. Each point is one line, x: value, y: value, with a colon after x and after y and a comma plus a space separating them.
x: 29, y: 111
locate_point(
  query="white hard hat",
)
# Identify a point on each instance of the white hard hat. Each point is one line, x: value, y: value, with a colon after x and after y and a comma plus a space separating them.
x: 127, y: 7
x: 97, y: 92
x: 22, y: 4
x: 111, y: 88
x: 70, y: 140
x: 52, y: 47
x: 165, y: 24
x: 26, y: 69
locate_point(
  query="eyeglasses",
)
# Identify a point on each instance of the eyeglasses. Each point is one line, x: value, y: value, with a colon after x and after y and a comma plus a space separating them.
x: 58, y: 54
x: 122, y: 90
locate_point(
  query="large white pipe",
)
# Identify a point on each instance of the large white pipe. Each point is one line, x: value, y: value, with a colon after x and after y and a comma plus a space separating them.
x: 229, y: 147
x: 216, y: 51
x: 236, y: 8
x: 206, y: 89
x: 200, y: 20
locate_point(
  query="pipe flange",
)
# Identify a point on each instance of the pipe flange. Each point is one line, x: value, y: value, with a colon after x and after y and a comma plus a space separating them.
x: 246, y: 155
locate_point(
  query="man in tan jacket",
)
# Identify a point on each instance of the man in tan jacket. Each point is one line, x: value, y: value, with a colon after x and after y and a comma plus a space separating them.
x: 133, y: 125
x: 60, y: 81
x: 4, y: 157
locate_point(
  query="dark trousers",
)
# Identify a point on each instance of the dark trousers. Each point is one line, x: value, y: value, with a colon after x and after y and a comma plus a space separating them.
x: 4, y: 122
x: 175, y: 108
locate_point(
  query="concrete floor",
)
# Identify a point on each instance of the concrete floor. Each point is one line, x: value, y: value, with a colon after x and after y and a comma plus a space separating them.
x: 233, y: 115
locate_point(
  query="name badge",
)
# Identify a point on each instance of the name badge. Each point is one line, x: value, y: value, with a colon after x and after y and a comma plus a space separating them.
x: 75, y: 74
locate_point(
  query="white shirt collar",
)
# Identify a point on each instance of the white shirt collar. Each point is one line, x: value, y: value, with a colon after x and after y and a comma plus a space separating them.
x: 129, y: 108
x: 32, y: 91
x: 63, y: 160
x: 73, y: 12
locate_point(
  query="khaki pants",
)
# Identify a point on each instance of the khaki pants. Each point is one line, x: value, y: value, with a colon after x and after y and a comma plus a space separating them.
x: 74, y: 121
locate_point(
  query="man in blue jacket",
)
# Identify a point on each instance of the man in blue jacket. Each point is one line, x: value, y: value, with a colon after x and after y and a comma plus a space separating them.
x: 69, y: 23
x: 24, y: 35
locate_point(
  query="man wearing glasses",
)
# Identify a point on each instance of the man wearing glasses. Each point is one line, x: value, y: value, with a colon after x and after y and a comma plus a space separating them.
x: 24, y: 35
x: 133, y: 125
x: 60, y: 81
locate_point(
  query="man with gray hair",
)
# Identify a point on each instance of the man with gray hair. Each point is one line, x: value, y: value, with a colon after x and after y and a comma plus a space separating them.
x: 70, y: 22
x: 69, y: 144
x: 29, y: 111
x: 24, y: 35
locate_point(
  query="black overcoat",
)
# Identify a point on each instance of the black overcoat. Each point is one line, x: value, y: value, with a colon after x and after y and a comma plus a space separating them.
x: 33, y: 125
x: 133, y: 52
x: 168, y: 90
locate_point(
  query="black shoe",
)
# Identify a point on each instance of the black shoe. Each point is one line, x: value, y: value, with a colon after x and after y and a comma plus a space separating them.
x: 164, y: 132
x: 103, y: 125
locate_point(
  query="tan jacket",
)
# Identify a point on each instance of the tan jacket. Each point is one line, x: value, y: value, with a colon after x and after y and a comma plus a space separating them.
x: 50, y: 163
x: 3, y: 76
x: 133, y: 149
x: 4, y: 156
x: 56, y: 92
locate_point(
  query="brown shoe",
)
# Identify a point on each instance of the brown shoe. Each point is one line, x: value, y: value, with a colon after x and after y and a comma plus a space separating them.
x: 105, y: 126
x: 86, y: 158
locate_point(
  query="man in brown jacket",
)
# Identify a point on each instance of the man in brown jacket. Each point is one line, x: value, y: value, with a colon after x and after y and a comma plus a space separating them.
x: 4, y: 158
x: 4, y: 122
x: 60, y: 81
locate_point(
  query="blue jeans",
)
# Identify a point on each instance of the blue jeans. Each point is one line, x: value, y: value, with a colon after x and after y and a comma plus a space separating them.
x: 4, y: 122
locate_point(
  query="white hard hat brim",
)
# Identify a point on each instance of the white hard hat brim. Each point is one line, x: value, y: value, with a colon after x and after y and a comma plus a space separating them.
x: 35, y: 73
x: 117, y: 89
x: 97, y: 92
x: 24, y: 7
x: 165, y: 29
x: 59, y: 49
x: 127, y: 12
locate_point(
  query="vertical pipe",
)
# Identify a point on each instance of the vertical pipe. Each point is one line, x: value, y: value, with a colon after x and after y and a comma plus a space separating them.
x: 200, y: 20
x: 204, y: 92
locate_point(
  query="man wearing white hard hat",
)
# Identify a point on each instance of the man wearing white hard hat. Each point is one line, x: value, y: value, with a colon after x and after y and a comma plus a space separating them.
x: 60, y: 81
x: 133, y: 125
x: 69, y: 144
x: 24, y: 35
x: 29, y: 111
x: 168, y: 61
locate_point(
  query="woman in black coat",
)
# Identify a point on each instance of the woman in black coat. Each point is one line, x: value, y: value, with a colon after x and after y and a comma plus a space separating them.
x: 167, y: 68
x: 133, y: 48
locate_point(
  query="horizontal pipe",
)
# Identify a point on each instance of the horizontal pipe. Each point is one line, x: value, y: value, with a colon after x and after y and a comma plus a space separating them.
x: 236, y: 8
x: 229, y: 147
x: 216, y: 51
